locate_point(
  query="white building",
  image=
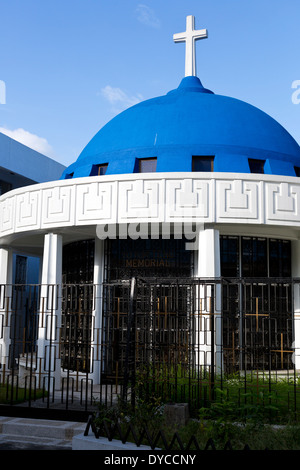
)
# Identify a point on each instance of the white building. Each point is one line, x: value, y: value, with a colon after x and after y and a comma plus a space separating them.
x: 190, y: 167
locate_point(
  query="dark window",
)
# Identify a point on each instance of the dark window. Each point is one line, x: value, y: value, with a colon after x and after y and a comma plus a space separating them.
x: 145, y: 165
x: 229, y: 256
x: 254, y: 257
x: 78, y: 262
x: 69, y: 176
x: 203, y: 164
x: 260, y: 257
x: 99, y: 170
x: 297, y: 170
x: 4, y: 187
x: 280, y: 258
x: 256, y: 166
x: 21, y: 270
x: 147, y: 258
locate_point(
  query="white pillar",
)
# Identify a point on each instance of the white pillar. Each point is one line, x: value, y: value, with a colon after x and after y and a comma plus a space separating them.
x: 209, y: 253
x: 50, y: 312
x: 97, y: 312
x: 208, y: 267
x: 296, y: 273
x: 6, y: 268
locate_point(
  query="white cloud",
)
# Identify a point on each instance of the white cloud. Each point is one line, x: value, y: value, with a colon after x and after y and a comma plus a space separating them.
x: 147, y: 16
x: 119, y: 99
x: 40, y: 144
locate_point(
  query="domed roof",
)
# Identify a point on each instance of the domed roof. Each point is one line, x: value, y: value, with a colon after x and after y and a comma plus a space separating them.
x: 187, y: 122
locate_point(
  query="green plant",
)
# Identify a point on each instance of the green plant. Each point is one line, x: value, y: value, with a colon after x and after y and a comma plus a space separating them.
x: 9, y: 394
x: 227, y: 410
x: 147, y: 410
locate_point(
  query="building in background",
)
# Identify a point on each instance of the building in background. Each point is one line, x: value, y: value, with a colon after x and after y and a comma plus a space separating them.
x: 22, y: 166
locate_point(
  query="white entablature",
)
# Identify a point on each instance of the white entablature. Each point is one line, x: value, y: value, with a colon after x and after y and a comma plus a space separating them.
x: 206, y: 198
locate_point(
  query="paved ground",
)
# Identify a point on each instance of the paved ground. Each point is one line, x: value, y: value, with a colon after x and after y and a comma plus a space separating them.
x: 37, y: 434
x: 17, y: 445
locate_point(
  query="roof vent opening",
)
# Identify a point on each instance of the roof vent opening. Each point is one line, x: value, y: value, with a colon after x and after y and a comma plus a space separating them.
x: 203, y: 163
x: 256, y: 166
x: 145, y: 165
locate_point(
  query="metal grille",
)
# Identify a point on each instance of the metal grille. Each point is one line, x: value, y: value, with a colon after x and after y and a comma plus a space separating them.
x: 77, y: 306
x: 77, y: 327
x: 258, y: 325
x: 73, y: 346
x: 161, y: 324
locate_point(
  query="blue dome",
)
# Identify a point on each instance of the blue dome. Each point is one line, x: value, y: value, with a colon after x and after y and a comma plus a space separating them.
x: 186, y: 122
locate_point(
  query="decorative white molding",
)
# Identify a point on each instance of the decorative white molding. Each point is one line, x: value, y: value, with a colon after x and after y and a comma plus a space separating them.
x: 96, y: 202
x: 27, y: 210
x: 58, y: 206
x: 140, y: 200
x: 283, y: 202
x: 7, y: 212
x: 238, y: 199
x: 187, y: 199
x: 161, y: 197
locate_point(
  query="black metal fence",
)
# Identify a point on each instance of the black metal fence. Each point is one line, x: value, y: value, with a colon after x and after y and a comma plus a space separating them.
x: 154, y: 440
x: 196, y: 341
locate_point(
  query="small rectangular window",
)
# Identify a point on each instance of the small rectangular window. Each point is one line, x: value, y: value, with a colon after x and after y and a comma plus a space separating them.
x: 99, y: 170
x: 145, y: 165
x: 5, y: 187
x: 203, y: 163
x: 297, y: 170
x: 256, y: 166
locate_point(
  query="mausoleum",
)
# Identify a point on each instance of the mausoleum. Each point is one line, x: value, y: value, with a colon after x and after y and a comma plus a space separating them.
x: 176, y: 230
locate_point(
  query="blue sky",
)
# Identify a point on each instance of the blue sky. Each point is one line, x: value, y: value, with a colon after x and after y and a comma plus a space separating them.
x: 69, y: 66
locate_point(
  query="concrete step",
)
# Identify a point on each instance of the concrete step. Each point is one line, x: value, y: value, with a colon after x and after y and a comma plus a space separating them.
x: 25, y: 433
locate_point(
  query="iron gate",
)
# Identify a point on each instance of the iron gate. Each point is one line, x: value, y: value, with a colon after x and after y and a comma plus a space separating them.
x: 178, y: 336
x: 157, y: 330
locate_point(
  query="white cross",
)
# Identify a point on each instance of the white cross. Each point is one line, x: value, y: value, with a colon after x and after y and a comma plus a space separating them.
x: 190, y: 36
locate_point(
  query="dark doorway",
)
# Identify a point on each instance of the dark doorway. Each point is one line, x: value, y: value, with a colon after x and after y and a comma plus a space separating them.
x: 161, y: 312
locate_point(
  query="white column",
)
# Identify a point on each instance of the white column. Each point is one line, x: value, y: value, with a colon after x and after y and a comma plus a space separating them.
x: 97, y: 312
x: 209, y: 253
x: 50, y: 312
x: 296, y: 273
x: 6, y: 268
x: 208, y: 267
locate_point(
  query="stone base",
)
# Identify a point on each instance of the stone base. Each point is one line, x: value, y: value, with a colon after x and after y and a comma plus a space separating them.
x: 177, y: 414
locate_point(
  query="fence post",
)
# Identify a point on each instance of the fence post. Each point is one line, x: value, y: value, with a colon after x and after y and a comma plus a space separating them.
x: 130, y: 346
